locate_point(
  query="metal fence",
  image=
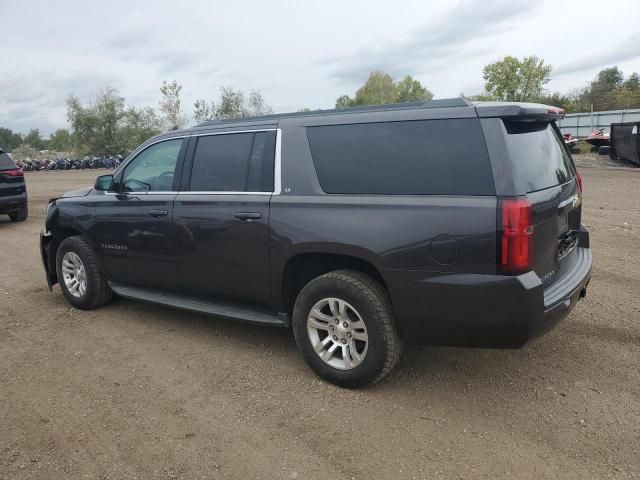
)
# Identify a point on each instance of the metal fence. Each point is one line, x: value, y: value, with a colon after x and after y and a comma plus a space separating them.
x: 582, y: 124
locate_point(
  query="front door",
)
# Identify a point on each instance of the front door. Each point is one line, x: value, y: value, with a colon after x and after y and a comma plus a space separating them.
x: 134, y: 223
x: 221, y: 216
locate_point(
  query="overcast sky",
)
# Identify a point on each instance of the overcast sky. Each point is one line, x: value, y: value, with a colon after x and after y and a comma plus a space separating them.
x: 298, y: 53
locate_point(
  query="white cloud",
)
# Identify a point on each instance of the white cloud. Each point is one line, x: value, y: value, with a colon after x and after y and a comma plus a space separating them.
x: 300, y: 54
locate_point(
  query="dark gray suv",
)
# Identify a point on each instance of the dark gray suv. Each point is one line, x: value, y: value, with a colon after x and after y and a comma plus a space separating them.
x: 13, y: 190
x: 445, y: 221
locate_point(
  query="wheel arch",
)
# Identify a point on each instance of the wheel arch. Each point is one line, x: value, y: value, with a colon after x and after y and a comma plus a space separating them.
x: 302, y: 267
x: 58, y: 235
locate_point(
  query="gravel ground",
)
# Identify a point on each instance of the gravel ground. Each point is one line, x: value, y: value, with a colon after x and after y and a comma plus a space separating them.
x: 137, y: 391
x: 595, y: 160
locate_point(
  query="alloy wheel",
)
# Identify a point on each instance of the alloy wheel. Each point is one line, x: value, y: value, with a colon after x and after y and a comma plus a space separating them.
x: 74, y: 274
x: 337, y: 333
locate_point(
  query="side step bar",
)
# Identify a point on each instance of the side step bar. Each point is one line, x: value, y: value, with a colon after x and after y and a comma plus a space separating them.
x: 219, y: 308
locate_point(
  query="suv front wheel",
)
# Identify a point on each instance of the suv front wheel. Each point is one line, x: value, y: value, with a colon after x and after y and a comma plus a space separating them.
x: 343, y: 325
x: 81, y: 281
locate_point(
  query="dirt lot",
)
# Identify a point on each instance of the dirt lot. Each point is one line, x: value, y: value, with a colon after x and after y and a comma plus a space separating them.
x: 138, y: 391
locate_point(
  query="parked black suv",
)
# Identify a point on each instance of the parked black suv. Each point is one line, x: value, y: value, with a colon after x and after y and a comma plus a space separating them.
x: 13, y: 191
x: 361, y: 228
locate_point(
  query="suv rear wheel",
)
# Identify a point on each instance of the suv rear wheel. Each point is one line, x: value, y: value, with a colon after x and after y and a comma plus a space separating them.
x: 343, y: 325
x: 81, y: 281
x: 19, y: 215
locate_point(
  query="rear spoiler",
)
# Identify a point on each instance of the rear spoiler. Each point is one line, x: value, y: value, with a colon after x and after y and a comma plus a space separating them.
x: 518, y: 111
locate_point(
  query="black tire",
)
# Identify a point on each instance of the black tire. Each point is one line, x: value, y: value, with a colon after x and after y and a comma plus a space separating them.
x: 19, y: 215
x: 97, y: 291
x: 604, y: 150
x: 370, y: 299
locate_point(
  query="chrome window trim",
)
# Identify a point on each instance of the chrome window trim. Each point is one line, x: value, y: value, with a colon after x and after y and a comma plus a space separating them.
x: 207, y: 134
x: 186, y: 192
x: 141, y: 193
x: 277, y: 166
x: 141, y: 148
x: 277, y: 169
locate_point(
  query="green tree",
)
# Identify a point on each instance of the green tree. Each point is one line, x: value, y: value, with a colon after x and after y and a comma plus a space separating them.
x: 231, y: 104
x: 234, y: 104
x: 609, y: 91
x: 98, y: 126
x: 204, y: 111
x: 256, y: 105
x: 61, y: 141
x: 139, y: 125
x: 380, y: 88
x: 557, y: 99
x: 608, y: 80
x: 34, y: 139
x: 171, y: 105
x: 623, y: 98
x: 633, y: 82
x: 411, y: 90
x: 9, y: 139
x: 344, y: 101
x: 512, y: 79
x: 24, y: 152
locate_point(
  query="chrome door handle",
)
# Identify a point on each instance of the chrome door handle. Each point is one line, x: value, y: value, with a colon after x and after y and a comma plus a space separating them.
x: 155, y: 213
x: 248, y: 215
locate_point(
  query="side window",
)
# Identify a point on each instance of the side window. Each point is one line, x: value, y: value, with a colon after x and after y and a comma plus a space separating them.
x: 152, y: 170
x: 235, y: 162
x: 420, y: 157
x: 261, y: 163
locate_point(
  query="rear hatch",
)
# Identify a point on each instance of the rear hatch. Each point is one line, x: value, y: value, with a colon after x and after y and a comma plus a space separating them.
x: 544, y: 174
x: 11, y: 177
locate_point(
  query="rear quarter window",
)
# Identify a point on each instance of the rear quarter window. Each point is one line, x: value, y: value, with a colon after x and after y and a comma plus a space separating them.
x: 422, y: 157
x: 538, y: 156
x: 6, y: 162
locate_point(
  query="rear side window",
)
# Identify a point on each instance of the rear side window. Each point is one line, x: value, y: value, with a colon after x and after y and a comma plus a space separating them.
x: 6, y: 162
x: 261, y: 163
x: 538, y: 156
x: 235, y: 162
x: 423, y: 157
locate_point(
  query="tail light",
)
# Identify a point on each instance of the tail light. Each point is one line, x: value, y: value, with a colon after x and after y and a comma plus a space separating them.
x: 579, y: 180
x: 17, y: 172
x: 516, y: 244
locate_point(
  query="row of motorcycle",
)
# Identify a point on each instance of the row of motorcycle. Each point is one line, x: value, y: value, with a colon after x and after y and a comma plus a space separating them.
x: 70, y: 164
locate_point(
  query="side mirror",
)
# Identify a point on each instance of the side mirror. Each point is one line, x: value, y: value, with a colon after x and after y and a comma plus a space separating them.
x: 104, y: 182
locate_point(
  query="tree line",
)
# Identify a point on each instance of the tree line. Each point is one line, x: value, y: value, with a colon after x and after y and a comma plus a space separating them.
x: 513, y: 79
x: 106, y: 125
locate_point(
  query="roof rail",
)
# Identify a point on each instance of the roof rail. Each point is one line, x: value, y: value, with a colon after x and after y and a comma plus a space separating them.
x: 439, y: 103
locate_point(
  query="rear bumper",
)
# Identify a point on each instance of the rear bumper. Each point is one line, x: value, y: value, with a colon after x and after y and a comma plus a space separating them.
x: 563, y: 295
x: 485, y: 310
x: 13, y: 203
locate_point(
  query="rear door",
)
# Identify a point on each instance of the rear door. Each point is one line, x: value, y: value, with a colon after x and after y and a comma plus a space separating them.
x: 221, y: 215
x: 543, y: 170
